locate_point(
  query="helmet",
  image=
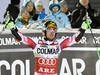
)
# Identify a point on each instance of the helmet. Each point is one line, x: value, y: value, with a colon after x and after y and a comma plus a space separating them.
x: 48, y: 24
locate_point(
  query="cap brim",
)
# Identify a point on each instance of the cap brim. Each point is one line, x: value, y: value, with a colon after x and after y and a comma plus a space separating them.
x: 52, y: 27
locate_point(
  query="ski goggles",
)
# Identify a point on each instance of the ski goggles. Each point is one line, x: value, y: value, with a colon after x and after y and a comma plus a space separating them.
x: 49, y: 30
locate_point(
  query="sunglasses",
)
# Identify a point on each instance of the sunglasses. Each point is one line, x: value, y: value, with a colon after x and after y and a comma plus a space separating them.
x: 49, y: 30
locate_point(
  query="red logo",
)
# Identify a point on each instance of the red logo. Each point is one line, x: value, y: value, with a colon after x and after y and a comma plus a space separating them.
x: 47, y: 61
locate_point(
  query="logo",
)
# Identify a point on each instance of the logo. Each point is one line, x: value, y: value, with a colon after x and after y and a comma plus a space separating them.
x: 59, y: 18
x: 46, y: 50
x: 47, y: 61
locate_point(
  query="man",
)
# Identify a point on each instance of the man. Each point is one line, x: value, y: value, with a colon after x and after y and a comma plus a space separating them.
x: 80, y: 13
x: 47, y: 49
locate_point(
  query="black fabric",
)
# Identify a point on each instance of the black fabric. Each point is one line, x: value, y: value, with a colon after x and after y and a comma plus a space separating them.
x: 79, y: 13
x: 68, y: 13
x: 13, y: 10
x: 35, y: 17
x: 15, y: 2
x: 77, y: 17
x: 14, y: 32
x: 82, y: 31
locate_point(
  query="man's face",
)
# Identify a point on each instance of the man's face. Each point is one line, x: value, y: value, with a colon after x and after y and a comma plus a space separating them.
x: 50, y: 33
x: 55, y: 9
x: 84, y: 2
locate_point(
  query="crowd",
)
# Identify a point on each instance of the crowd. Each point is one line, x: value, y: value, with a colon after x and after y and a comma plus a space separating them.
x: 33, y: 14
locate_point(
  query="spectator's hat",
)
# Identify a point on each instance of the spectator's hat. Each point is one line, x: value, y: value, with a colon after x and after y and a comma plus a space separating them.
x: 38, y: 2
x: 54, y: 3
x: 15, y: 2
x: 63, y: 2
x: 24, y: 9
x: 29, y: 3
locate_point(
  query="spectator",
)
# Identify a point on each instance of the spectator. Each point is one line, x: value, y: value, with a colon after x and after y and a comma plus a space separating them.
x: 65, y: 8
x: 40, y: 10
x: 79, y: 14
x: 32, y: 11
x: 56, y: 15
x: 24, y: 19
x: 13, y: 9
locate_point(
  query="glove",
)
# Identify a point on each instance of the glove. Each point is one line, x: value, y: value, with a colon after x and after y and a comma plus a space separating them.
x: 88, y: 21
x: 84, y: 25
x: 11, y: 25
x: 8, y: 19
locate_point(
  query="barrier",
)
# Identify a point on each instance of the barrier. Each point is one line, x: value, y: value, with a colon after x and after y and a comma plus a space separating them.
x: 79, y: 59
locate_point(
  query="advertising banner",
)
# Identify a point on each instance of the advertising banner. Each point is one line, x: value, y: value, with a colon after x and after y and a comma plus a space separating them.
x: 81, y: 62
x: 79, y: 59
x: 71, y: 62
x: 7, y: 41
x: 16, y: 63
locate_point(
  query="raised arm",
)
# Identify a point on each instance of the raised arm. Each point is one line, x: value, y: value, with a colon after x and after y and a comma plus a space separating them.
x: 20, y: 37
x: 76, y: 37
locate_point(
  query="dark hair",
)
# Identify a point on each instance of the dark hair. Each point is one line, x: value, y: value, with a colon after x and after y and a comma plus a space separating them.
x: 15, y: 2
x: 33, y: 12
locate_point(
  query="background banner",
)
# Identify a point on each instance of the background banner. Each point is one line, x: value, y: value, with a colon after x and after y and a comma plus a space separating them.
x: 72, y: 62
x: 7, y: 41
x: 79, y: 63
x: 79, y: 59
x: 16, y: 63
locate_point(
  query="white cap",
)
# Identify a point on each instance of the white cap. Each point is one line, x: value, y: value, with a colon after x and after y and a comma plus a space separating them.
x: 38, y: 2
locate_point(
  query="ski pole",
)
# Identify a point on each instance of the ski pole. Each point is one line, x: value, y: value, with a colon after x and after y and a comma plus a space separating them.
x: 97, y: 50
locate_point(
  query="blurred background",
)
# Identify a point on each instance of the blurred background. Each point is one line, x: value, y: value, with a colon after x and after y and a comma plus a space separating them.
x: 71, y: 3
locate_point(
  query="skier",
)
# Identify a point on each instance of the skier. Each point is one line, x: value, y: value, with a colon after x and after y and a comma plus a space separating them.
x: 47, y: 49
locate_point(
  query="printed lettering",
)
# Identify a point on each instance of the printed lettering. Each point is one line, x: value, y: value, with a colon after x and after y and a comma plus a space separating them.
x: 76, y: 71
x: 47, y: 51
x: 8, y: 41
